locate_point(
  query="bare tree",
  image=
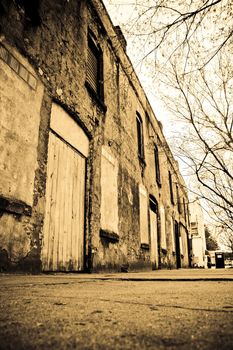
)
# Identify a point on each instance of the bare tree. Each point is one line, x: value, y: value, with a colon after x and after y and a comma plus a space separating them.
x: 211, y: 243
x: 199, y: 28
x: 203, y: 100
x: 226, y: 238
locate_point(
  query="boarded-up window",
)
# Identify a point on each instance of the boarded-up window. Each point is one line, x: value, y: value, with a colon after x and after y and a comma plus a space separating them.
x: 163, y: 228
x: 184, y: 249
x: 140, y: 136
x: 94, y: 72
x: 143, y: 200
x: 109, y: 191
x: 172, y: 233
x: 181, y: 245
x: 20, y: 117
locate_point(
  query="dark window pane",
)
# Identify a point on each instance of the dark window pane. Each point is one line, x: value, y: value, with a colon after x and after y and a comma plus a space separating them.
x: 94, y: 72
x: 140, y: 137
x: 157, y: 167
x: 171, y: 189
x: 92, y: 69
x: 178, y: 200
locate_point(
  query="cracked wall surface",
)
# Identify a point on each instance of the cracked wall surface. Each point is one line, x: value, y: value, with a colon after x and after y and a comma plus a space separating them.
x: 50, y: 43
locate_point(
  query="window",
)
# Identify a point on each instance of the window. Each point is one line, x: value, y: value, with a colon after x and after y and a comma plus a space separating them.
x: 94, y: 72
x: 140, y: 136
x: 172, y: 225
x: 143, y: 206
x: 170, y: 186
x: 187, y: 211
x: 194, y: 229
x: 157, y: 167
x: 163, y: 228
x: 184, y: 208
x: 178, y: 200
x: 109, y: 191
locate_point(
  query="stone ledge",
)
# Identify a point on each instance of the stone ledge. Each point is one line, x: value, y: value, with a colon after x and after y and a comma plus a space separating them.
x: 145, y: 246
x: 109, y: 235
x: 15, y: 206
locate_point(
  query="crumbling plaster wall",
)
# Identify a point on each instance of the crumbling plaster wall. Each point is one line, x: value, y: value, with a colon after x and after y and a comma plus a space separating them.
x: 21, y: 95
x: 56, y: 50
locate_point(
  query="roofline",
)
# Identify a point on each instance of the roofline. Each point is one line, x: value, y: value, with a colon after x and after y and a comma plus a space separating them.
x: 95, y: 5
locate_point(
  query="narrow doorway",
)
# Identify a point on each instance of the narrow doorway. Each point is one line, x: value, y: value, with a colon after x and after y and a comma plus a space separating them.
x: 154, y: 233
x: 177, y: 240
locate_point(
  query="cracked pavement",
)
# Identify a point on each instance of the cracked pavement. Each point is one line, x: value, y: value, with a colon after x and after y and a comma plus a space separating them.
x: 87, y: 312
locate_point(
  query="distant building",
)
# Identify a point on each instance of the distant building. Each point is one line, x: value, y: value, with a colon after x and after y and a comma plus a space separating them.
x: 198, y: 241
x: 87, y: 180
x: 228, y: 259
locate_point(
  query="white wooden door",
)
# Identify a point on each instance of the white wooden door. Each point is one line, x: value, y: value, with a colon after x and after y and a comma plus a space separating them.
x: 154, y: 239
x: 63, y: 244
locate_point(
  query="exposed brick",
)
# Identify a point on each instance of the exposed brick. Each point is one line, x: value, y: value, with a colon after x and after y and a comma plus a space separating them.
x: 53, y: 57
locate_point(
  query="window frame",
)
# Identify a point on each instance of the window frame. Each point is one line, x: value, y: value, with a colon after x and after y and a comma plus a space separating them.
x: 184, y: 209
x: 140, y: 138
x: 171, y: 187
x: 143, y: 217
x: 94, y: 48
x: 179, y: 207
x: 157, y: 165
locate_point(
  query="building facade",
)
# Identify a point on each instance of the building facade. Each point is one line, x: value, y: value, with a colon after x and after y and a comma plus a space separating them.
x: 87, y: 180
x: 198, y: 241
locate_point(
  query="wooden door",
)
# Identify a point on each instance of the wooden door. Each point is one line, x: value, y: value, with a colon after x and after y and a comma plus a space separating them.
x: 63, y: 244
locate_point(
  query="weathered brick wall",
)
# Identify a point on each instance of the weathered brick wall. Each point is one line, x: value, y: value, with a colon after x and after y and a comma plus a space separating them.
x: 55, y: 47
x: 20, y: 107
x: 51, y: 51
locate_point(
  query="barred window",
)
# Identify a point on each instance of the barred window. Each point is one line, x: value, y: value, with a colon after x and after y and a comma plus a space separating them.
x: 94, y: 72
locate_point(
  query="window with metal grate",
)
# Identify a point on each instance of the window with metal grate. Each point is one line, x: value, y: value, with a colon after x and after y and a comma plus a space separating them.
x: 94, y: 69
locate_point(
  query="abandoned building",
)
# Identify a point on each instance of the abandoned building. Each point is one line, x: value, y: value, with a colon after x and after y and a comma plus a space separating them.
x: 87, y: 180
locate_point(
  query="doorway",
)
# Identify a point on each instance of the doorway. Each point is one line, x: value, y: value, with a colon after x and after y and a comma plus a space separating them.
x: 63, y: 233
x: 177, y: 241
x: 154, y: 233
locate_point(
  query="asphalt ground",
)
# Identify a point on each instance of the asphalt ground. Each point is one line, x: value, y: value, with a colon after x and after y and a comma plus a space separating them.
x: 117, y: 311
